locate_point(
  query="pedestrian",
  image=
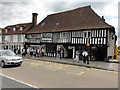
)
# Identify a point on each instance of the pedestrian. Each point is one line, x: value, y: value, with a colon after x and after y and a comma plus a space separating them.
x: 31, y: 52
x: 19, y: 51
x: 34, y: 52
x: 43, y: 51
x: 38, y: 52
x: 85, y: 56
x: 15, y: 50
x: 23, y: 52
x: 59, y: 53
x: 76, y: 58
x: 28, y: 52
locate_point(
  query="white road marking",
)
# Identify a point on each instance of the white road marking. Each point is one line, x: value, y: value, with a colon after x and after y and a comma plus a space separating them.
x: 19, y: 81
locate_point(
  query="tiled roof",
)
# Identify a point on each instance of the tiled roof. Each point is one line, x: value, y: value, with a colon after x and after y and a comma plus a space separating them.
x: 26, y: 27
x: 1, y: 28
x: 77, y: 19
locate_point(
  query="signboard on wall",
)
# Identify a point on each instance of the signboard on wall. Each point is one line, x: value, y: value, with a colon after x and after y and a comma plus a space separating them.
x: 46, y: 39
x: 47, y: 35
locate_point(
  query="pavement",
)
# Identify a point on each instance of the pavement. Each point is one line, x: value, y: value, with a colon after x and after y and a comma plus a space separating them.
x: 112, y: 65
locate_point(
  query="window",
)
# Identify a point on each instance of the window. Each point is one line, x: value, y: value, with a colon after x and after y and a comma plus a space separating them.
x: 85, y: 34
x: 57, y: 24
x: 47, y: 35
x: 11, y: 38
x: 21, y: 28
x: 88, y: 34
x: 14, y: 29
x: 43, y: 24
x: 19, y: 38
x: 63, y: 34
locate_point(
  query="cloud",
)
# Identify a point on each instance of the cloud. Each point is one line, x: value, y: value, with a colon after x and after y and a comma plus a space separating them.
x: 16, y: 12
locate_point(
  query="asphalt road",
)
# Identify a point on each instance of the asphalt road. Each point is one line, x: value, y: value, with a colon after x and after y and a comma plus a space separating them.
x: 55, y: 75
x: 13, y: 84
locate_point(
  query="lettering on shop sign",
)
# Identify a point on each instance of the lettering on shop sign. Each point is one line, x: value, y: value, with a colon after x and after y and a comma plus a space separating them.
x: 46, y: 39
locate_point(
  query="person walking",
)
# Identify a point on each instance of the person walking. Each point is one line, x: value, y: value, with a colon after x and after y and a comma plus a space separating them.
x: 28, y: 52
x: 43, y: 51
x: 23, y: 52
x: 31, y: 52
x: 15, y: 50
x: 85, y: 56
x: 76, y: 58
x: 38, y: 52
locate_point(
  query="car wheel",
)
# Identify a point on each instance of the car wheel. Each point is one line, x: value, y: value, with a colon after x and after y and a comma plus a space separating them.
x: 2, y: 64
x: 19, y: 64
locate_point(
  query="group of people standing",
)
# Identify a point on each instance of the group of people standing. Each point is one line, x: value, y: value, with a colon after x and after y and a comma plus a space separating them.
x: 39, y: 52
x: 29, y: 52
x: 85, y: 57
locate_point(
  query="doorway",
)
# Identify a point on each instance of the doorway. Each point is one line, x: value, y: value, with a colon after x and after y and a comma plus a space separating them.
x: 98, y: 52
x: 70, y: 53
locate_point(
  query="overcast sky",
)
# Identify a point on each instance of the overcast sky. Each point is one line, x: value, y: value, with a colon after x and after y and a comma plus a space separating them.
x: 20, y: 11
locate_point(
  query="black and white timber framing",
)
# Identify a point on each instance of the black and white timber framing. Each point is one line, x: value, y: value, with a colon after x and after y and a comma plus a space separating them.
x: 72, y: 32
x: 73, y: 41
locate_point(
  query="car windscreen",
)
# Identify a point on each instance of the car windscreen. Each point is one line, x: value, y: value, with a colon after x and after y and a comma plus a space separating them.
x: 8, y: 53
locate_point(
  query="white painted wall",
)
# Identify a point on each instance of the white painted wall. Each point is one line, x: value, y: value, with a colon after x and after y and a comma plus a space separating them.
x: 111, y: 43
x: 0, y: 38
x: 22, y: 38
x: 15, y: 38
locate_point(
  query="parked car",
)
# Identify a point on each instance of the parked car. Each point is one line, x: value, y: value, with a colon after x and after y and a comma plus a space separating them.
x: 8, y: 57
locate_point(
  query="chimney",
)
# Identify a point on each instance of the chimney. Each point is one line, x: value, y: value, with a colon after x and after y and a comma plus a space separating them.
x: 103, y: 18
x: 34, y: 19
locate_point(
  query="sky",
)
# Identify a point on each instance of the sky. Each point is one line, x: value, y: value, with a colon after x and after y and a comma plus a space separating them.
x: 20, y: 11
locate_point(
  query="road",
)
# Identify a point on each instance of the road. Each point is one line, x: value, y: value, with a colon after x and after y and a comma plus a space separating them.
x: 7, y: 82
x: 55, y: 75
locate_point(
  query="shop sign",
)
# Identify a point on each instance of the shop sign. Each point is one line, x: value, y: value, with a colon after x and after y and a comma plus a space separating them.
x: 47, y: 39
x: 69, y: 47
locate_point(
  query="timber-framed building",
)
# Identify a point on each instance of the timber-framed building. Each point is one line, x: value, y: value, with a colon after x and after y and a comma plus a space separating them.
x: 73, y: 31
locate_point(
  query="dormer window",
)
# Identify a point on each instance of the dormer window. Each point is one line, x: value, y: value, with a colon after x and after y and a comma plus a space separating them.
x: 21, y: 28
x: 57, y: 24
x: 43, y: 24
x: 6, y: 30
x: 14, y: 29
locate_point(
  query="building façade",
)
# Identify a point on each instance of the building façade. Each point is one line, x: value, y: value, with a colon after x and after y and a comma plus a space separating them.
x: 13, y: 36
x: 73, y: 31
